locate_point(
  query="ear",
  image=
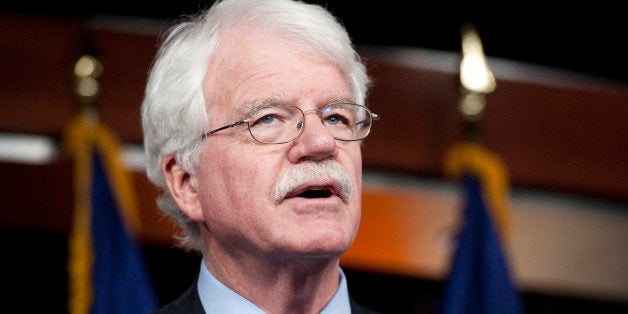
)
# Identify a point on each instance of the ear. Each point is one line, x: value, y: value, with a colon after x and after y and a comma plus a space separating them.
x: 182, y: 187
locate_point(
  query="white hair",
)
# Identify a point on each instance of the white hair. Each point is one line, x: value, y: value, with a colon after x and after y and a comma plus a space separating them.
x: 174, y: 112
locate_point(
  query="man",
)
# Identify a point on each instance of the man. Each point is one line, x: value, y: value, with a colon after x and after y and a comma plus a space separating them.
x: 253, y: 119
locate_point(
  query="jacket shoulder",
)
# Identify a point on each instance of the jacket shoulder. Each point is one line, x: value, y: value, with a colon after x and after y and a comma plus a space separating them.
x: 189, y: 303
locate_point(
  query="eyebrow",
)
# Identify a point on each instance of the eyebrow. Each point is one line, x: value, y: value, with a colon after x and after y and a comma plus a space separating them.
x: 338, y: 99
x: 247, y: 107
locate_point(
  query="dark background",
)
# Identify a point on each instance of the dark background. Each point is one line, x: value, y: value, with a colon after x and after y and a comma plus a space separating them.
x: 588, y: 37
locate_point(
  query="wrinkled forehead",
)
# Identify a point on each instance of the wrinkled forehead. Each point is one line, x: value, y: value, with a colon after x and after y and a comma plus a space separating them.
x: 251, y: 55
x: 237, y: 42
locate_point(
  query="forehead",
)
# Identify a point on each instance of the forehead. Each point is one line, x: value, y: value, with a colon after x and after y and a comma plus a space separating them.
x: 260, y: 66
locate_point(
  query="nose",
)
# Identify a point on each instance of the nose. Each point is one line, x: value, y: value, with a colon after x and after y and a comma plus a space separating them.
x: 315, y: 141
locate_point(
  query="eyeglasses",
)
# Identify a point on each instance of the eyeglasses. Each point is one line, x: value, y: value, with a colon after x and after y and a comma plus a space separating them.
x: 283, y: 124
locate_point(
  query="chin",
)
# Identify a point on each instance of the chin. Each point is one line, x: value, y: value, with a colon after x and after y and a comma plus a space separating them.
x: 331, y: 246
x: 320, y: 254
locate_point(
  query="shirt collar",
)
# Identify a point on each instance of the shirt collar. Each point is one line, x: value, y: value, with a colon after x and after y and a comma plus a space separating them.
x: 218, y: 298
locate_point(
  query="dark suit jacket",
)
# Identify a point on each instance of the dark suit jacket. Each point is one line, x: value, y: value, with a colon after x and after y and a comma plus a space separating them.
x: 190, y: 303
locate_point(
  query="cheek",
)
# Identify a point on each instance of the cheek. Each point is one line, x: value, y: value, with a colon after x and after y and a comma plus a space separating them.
x: 355, y: 165
x: 234, y: 178
x: 224, y: 196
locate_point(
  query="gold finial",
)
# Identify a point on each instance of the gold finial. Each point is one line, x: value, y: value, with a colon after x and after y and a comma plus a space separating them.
x: 475, y: 76
x: 86, y: 86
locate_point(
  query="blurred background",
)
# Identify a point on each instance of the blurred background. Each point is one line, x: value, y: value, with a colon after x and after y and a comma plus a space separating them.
x: 557, y: 119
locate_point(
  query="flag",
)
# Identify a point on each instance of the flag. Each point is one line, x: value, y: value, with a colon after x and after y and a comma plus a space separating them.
x: 107, y: 271
x: 480, y: 279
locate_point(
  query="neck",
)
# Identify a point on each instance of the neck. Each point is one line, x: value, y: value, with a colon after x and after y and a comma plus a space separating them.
x: 278, y: 284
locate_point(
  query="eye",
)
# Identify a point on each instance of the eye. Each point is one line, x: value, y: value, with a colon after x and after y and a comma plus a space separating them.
x: 266, y: 119
x: 272, y: 118
x: 336, y: 119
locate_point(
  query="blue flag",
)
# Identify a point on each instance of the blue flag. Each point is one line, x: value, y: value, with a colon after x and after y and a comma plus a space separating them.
x: 121, y: 281
x: 479, y: 281
x: 106, y: 264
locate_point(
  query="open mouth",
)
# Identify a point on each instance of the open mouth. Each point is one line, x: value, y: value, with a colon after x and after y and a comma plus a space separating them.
x: 315, y: 193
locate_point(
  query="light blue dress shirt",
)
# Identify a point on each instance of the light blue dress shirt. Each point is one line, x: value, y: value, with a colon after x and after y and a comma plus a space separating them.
x: 218, y: 298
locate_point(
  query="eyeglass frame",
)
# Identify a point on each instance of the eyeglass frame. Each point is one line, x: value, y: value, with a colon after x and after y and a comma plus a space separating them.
x: 373, y: 116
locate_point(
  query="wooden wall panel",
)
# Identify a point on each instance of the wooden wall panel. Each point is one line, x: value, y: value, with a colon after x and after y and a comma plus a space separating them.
x: 562, y: 138
x: 552, y: 135
x: 37, y: 55
x: 418, y: 118
x: 561, y: 132
x: 126, y: 59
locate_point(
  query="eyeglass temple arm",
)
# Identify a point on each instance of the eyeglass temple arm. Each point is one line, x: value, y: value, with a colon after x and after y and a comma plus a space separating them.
x: 224, y: 127
x: 374, y: 116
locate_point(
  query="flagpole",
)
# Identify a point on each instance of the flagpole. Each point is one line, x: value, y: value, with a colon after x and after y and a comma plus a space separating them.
x: 479, y: 279
x: 106, y: 266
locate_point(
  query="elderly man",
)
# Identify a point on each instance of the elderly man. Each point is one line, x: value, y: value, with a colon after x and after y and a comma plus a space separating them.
x: 253, y: 119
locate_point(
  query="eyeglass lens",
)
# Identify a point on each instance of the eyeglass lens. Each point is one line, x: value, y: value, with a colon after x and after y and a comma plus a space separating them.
x: 282, y: 124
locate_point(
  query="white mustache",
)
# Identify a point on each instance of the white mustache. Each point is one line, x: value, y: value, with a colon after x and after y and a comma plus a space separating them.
x: 308, y: 171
